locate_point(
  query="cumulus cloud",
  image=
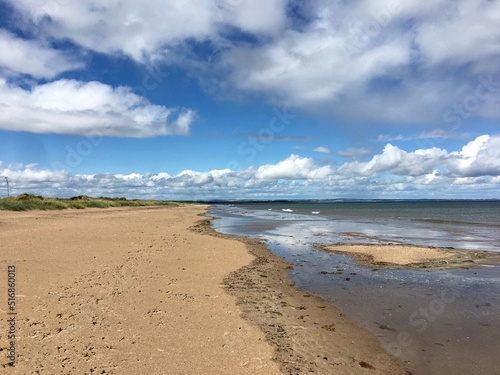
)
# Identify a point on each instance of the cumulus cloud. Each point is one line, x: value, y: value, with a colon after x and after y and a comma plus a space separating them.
x: 399, y: 162
x: 473, y: 172
x: 139, y: 30
x: 293, y: 168
x: 456, y: 32
x: 20, y: 56
x: 480, y: 157
x: 87, y: 108
x: 268, y: 17
x: 29, y: 175
x: 311, y: 67
x: 147, y: 31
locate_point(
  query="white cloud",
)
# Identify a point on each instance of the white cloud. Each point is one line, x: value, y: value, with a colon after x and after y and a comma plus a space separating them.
x: 480, y: 157
x: 455, y: 33
x: 472, y: 172
x: 399, y: 162
x: 309, y: 67
x: 322, y: 150
x: 293, y: 168
x: 148, y: 30
x: 431, y: 134
x: 265, y: 17
x: 31, y: 57
x: 87, y: 108
x: 138, y: 29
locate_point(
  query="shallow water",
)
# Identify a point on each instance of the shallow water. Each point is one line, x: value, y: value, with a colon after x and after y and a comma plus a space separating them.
x: 438, y: 322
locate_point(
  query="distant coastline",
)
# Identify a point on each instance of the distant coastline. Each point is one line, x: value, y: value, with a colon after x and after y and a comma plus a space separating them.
x: 347, y: 200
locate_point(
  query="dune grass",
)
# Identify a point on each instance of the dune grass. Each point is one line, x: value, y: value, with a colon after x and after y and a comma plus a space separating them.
x: 26, y: 202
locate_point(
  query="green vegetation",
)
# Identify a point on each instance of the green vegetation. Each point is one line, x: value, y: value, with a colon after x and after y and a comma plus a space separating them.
x: 25, y: 202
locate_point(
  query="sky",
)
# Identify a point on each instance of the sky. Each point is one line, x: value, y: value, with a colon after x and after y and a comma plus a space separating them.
x: 250, y: 99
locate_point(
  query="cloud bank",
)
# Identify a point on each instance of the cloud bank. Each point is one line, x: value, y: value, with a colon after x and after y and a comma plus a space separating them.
x: 472, y: 172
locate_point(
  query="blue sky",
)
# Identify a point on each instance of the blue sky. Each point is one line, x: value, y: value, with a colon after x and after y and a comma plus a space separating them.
x: 246, y: 99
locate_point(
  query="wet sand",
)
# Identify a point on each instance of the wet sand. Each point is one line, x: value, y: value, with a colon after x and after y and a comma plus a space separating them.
x: 432, y: 322
x: 309, y: 335
x: 157, y: 291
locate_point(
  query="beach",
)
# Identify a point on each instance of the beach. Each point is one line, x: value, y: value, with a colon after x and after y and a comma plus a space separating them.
x: 155, y: 290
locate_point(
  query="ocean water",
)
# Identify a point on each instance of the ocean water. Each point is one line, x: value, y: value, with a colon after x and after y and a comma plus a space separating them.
x: 471, y: 225
x: 431, y: 320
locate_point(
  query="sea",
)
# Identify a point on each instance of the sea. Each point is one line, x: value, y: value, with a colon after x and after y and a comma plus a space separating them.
x: 435, y: 321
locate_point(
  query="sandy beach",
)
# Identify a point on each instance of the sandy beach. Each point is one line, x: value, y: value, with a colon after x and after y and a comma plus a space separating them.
x: 156, y: 291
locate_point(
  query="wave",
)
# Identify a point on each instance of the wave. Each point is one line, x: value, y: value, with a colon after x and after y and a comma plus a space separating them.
x: 455, y: 222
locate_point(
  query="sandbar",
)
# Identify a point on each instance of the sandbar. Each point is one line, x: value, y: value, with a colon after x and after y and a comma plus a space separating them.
x: 412, y: 256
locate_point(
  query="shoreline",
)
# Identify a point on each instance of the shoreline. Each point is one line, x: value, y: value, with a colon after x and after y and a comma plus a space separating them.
x: 387, y: 308
x: 309, y: 335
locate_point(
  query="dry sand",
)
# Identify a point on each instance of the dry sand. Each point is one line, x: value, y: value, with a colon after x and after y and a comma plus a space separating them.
x: 139, y: 291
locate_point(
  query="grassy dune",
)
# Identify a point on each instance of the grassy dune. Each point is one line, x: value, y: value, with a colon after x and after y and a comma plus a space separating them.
x: 25, y: 202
